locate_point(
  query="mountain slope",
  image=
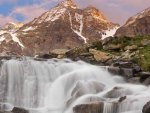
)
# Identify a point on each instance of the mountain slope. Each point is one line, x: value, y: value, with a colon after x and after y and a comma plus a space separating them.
x: 136, y: 25
x: 64, y: 26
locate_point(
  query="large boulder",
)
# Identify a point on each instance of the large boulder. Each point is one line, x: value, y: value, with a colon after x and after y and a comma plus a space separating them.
x: 100, y: 56
x: 89, y: 108
x: 146, y: 108
x: 19, y: 110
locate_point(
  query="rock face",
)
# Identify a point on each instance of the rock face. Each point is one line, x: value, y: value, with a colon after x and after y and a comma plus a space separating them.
x: 136, y: 25
x: 63, y: 27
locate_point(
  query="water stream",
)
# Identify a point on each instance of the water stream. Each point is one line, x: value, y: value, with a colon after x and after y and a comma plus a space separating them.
x: 56, y: 86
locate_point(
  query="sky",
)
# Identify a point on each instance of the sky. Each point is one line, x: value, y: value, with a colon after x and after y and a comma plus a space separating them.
x: 117, y: 11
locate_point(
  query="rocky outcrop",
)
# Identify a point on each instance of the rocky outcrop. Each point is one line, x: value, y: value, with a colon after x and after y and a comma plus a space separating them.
x: 137, y: 25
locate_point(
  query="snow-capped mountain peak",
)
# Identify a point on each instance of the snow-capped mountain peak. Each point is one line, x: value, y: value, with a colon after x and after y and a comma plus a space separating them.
x: 63, y: 27
x: 137, y: 25
x: 68, y: 4
x: 140, y: 15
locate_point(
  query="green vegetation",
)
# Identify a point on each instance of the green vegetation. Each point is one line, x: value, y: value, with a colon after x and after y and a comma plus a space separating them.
x: 143, y: 58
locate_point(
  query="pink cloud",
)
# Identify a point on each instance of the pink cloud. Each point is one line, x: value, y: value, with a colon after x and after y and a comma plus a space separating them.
x: 6, y: 19
x: 29, y: 12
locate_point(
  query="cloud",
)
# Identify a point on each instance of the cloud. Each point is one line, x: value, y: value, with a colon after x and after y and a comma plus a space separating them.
x: 28, y: 12
x: 6, y: 19
x: 7, y: 1
x: 117, y: 11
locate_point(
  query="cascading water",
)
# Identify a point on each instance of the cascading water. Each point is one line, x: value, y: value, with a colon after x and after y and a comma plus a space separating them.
x: 56, y: 86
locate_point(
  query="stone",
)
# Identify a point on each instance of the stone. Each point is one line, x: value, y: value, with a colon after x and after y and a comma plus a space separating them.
x: 122, y: 64
x: 146, y: 108
x: 146, y: 81
x: 89, y: 108
x: 125, y: 72
x: 134, y: 80
x: 19, y: 110
x: 114, y: 47
x: 145, y: 42
x: 143, y: 76
x: 131, y: 48
x: 59, y: 51
x: 100, y: 56
x: 47, y: 56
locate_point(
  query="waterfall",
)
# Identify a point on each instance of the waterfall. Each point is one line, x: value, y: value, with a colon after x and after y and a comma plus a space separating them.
x: 56, y: 86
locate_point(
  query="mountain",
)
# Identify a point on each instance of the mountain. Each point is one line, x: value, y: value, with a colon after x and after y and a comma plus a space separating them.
x: 136, y: 25
x: 62, y: 27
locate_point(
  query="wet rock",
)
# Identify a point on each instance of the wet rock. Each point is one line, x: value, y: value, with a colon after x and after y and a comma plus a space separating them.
x: 134, y: 80
x: 89, y: 108
x: 125, y: 72
x: 122, y: 98
x: 147, y: 81
x: 47, y: 56
x: 90, y: 87
x: 19, y: 110
x: 6, y: 107
x: 146, y: 108
x: 5, y: 112
x: 117, y: 92
x: 143, y: 76
x: 122, y: 64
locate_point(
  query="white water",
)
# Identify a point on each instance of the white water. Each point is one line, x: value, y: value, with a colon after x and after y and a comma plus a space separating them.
x: 56, y: 86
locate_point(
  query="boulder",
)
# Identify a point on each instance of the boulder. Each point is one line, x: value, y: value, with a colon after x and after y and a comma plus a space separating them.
x: 134, y: 80
x: 131, y: 48
x: 145, y: 42
x: 97, y: 107
x: 113, y: 47
x: 90, y: 87
x: 147, y: 81
x: 143, y: 76
x: 100, y: 56
x: 19, y: 110
x: 47, y: 56
x: 77, y: 51
x: 146, y: 108
x: 125, y: 72
x: 123, y: 64
x: 89, y: 108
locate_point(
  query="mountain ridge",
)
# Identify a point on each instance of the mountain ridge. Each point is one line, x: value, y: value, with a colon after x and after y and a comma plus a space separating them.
x: 63, y: 27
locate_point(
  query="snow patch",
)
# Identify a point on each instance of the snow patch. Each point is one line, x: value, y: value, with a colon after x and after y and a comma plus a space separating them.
x: 51, y: 15
x: 28, y: 29
x: 79, y: 18
x: 2, y: 38
x: 2, y: 32
x: 15, y: 39
x: 109, y: 33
